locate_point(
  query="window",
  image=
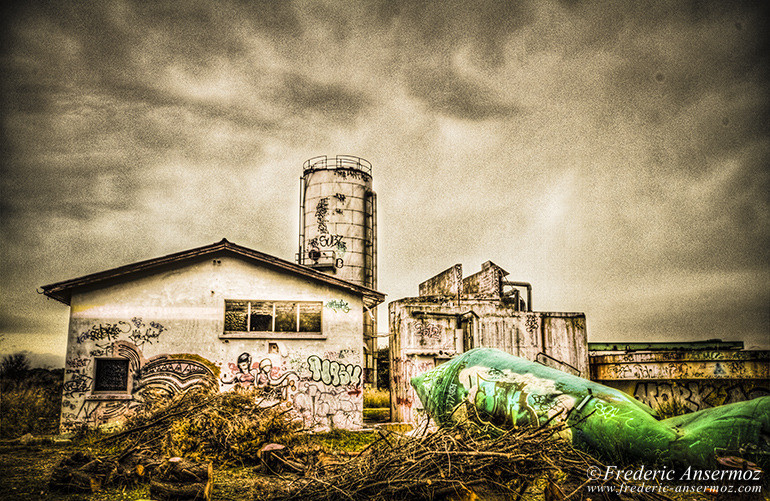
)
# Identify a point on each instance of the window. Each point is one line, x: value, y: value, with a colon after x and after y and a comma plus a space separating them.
x: 111, y: 375
x: 273, y: 316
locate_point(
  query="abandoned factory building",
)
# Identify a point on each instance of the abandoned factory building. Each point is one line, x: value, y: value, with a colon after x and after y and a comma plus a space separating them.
x: 454, y: 314
x: 217, y: 316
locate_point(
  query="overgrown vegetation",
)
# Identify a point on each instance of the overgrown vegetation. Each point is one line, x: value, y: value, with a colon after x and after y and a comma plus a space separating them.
x: 376, y: 398
x: 30, y: 399
x: 14, y: 366
x: 376, y: 405
x: 338, y: 440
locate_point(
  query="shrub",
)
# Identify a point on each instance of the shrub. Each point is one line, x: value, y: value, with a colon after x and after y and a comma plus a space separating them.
x: 227, y: 427
x: 30, y: 405
x: 14, y: 366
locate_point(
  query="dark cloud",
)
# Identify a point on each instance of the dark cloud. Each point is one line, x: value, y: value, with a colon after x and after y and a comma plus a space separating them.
x: 448, y: 93
x: 668, y: 63
x: 433, y: 26
x: 302, y: 96
x: 595, y: 145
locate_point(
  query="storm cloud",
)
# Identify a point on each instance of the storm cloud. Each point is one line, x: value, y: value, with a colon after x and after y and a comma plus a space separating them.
x: 614, y: 154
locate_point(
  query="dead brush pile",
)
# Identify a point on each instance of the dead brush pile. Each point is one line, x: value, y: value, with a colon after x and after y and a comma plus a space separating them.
x: 462, y: 462
x: 227, y: 428
x: 173, y: 444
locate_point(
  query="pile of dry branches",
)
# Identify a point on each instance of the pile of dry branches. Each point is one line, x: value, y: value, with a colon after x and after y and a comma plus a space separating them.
x: 225, y: 427
x: 453, y: 463
x: 199, y: 426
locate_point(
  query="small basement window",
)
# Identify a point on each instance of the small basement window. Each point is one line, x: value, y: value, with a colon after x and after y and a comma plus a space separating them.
x: 264, y: 317
x: 111, y: 375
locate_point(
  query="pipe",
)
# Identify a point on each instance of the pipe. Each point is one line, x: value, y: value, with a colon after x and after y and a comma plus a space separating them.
x: 522, y: 284
x: 300, y: 257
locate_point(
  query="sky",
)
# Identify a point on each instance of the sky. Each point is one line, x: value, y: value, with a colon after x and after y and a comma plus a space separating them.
x: 613, y: 154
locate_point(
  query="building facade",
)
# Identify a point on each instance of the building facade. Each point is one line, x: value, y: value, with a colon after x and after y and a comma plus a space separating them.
x: 454, y: 314
x: 220, y: 316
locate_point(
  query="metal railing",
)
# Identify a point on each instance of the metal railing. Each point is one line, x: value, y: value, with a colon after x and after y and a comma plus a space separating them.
x: 339, y: 162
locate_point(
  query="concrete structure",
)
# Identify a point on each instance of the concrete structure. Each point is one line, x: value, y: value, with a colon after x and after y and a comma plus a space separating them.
x: 676, y: 378
x: 338, y: 230
x: 219, y: 316
x: 454, y: 314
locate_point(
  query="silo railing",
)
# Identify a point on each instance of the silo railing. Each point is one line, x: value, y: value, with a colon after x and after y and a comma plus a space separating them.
x: 339, y: 162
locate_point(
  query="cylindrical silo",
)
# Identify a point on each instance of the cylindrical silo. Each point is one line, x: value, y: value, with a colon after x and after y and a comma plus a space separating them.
x: 338, y: 229
x: 337, y: 218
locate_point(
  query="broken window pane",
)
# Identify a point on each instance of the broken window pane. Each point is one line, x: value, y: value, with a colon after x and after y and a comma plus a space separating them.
x: 285, y: 317
x: 111, y: 375
x: 261, y: 316
x: 235, y: 315
x: 310, y: 317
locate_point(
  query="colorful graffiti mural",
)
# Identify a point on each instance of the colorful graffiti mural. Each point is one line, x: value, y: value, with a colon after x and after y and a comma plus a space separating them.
x: 696, y: 395
x: 326, y: 392
x: 333, y: 373
x: 273, y: 379
x: 143, y: 380
x: 108, y: 376
x: 674, y: 380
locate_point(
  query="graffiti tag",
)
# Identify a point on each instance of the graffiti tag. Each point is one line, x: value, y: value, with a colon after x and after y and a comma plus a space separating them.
x: 333, y: 373
x: 321, y: 214
x: 338, y: 305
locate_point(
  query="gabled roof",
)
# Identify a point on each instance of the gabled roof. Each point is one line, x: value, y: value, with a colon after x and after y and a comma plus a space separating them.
x: 62, y: 291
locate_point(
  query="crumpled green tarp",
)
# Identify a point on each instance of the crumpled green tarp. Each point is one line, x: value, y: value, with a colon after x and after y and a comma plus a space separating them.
x: 602, y: 420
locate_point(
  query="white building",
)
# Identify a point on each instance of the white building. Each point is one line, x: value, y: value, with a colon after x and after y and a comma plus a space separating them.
x: 221, y: 316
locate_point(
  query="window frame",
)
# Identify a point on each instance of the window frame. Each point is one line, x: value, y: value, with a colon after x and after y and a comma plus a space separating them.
x: 112, y: 394
x: 274, y: 334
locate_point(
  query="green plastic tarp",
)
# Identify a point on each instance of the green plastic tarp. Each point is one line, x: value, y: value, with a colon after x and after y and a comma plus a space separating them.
x: 604, y: 421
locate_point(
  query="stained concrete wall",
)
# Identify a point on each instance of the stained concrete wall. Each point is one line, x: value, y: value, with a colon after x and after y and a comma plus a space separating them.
x: 677, y: 381
x: 447, y: 283
x: 486, y: 283
x: 426, y: 331
x: 170, y: 325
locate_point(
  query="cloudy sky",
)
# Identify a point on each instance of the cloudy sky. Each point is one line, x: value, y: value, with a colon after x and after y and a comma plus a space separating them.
x: 614, y: 154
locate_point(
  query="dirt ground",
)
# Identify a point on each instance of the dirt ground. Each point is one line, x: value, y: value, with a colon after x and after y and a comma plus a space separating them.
x: 25, y: 470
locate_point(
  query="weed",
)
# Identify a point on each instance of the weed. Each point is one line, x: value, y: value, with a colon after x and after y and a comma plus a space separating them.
x: 343, y: 440
x: 374, y: 399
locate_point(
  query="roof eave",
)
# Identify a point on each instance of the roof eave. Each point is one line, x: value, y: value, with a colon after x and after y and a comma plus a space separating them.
x: 62, y: 291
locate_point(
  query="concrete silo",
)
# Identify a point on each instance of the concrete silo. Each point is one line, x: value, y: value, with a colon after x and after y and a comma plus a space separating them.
x: 338, y: 229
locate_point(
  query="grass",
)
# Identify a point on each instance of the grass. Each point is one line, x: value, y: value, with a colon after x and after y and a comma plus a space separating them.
x: 380, y: 415
x: 376, y: 405
x: 341, y: 440
x: 30, y: 403
x: 375, y: 398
